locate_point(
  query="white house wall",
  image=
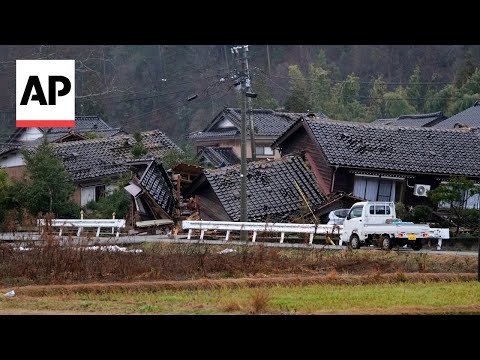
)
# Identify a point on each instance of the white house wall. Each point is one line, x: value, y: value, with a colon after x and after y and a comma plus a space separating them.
x: 30, y: 134
x: 11, y: 160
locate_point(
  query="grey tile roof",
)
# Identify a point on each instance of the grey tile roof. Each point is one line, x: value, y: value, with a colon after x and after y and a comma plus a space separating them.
x: 158, y: 143
x: 5, y: 148
x: 266, y: 123
x: 84, y: 124
x: 93, y: 158
x: 215, y: 133
x: 157, y: 183
x: 413, y: 120
x: 383, y: 121
x: 219, y: 156
x: 271, y: 191
x: 469, y: 117
x: 398, y: 148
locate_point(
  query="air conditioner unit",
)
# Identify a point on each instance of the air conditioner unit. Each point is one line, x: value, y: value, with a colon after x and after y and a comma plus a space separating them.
x: 421, y: 189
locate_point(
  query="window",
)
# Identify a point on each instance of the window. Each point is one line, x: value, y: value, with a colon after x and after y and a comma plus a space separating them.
x: 91, y: 193
x: 379, y: 210
x: 374, y: 188
x: 356, y: 212
x: 385, y: 190
x: 263, y: 150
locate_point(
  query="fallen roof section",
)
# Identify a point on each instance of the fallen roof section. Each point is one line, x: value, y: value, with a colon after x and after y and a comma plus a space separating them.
x: 272, y: 193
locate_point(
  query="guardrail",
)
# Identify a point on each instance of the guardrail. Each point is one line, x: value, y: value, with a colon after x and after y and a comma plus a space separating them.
x: 256, y: 227
x: 281, y: 228
x: 85, y: 223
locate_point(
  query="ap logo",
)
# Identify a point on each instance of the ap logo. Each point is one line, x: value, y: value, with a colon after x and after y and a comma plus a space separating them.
x: 45, y: 92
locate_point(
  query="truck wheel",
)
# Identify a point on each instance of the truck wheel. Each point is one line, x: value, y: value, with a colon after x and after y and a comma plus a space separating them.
x: 417, y: 246
x: 354, y: 242
x: 387, y: 243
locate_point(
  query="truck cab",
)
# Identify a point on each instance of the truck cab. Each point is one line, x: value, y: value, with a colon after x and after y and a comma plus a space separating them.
x: 375, y: 223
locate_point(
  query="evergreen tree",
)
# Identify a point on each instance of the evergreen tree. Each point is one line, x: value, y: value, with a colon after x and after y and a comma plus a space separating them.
x: 48, y: 186
x: 298, y: 100
x: 376, y: 107
x: 414, y: 90
x: 264, y: 99
x: 455, y: 194
x: 396, y: 103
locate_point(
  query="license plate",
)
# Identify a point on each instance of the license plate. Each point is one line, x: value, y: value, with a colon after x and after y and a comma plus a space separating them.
x: 412, y: 237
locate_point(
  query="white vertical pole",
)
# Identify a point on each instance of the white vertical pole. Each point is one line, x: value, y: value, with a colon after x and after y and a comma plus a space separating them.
x: 254, y: 236
x: 282, y: 236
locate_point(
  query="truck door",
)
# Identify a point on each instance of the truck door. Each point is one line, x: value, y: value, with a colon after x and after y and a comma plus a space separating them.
x: 353, y: 222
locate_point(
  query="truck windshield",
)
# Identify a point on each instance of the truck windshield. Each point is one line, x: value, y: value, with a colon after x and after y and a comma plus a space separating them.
x: 356, y: 212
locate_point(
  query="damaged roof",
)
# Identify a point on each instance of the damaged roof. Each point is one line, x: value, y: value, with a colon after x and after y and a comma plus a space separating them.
x: 6, y: 148
x: 395, y: 148
x: 92, y: 158
x: 266, y: 123
x: 271, y: 191
x: 84, y: 124
x: 469, y: 117
x: 413, y: 120
x: 157, y: 183
x: 219, y: 156
x: 157, y: 143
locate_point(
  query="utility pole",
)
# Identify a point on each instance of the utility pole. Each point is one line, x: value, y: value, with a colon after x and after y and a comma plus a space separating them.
x: 245, y: 93
x: 243, y: 145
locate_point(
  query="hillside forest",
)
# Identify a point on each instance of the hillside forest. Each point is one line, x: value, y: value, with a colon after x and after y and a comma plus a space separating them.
x: 144, y: 87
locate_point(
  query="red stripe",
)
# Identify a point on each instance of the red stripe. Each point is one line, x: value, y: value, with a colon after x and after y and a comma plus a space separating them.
x: 45, y: 123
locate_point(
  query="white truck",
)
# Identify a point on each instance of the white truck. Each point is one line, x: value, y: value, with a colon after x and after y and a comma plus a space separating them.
x: 375, y: 223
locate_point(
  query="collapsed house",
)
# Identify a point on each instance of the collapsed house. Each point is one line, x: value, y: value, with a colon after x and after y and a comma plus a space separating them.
x: 275, y: 191
x: 95, y: 163
x: 152, y: 191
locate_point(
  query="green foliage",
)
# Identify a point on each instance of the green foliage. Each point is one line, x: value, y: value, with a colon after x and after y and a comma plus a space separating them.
x: 3, y: 181
x: 414, y: 90
x: 396, y: 103
x: 421, y: 214
x: 137, y: 136
x: 320, y: 88
x: 456, y: 193
x: 92, y: 135
x: 376, y: 106
x: 49, y: 186
x: 264, y: 99
x: 187, y: 156
x: 331, y: 68
x: 118, y: 202
x: 4, y: 185
x: 298, y: 100
x: 468, y: 68
x: 138, y: 149
x: 345, y: 105
x: 401, y: 211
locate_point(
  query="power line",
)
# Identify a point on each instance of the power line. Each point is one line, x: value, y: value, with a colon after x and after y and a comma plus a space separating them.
x: 361, y: 82
x: 370, y: 97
